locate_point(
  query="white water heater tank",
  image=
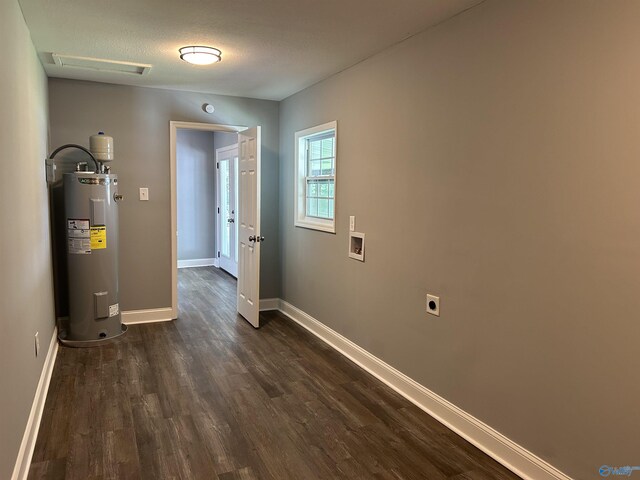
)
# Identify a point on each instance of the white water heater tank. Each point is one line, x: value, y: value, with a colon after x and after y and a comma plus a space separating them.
x: 101, y: 146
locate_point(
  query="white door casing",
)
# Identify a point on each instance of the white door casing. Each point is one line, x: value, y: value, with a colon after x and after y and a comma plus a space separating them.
x: 227, y: 193
x: 248, y: 218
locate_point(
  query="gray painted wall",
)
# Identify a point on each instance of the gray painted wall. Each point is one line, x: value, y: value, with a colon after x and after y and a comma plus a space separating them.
x: 138, y: 119
x: 26, y: 293
x: 224, y: 139
x: 196, y: 193
x: 493, y: 161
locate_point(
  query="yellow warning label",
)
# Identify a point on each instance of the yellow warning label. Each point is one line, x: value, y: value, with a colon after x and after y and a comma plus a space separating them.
x: 98, y: 238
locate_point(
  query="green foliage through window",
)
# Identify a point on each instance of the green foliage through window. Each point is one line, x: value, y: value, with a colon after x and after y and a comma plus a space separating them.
x: 320, y: 177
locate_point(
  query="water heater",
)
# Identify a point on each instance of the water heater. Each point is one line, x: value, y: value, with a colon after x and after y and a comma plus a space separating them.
x: 91, y: 222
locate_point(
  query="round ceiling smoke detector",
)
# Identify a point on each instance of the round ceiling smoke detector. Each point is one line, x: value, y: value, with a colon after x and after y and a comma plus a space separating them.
x: 200, y: 55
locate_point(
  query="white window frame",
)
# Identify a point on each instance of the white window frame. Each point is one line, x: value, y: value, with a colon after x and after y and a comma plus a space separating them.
x: 300, y: 181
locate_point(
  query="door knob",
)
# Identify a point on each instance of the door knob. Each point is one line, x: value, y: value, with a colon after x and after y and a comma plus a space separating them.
x: 260, y: 239
x: 230, y: 220
x: 252, y: 238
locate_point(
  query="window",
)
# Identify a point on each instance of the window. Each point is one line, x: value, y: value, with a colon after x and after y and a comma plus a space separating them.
x: 315, y: 153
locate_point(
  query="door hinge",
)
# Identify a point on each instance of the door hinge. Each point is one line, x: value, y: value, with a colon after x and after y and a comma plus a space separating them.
x: 218, y: 254
x: 218, y: 210
x: 217, y: 164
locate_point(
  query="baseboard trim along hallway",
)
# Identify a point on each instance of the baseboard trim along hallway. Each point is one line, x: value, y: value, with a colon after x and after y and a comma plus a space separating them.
x: 198, y: 262
x: 513, y: 456
x: 151, y: 315
x: 23, y: 462
x: 267, y: 304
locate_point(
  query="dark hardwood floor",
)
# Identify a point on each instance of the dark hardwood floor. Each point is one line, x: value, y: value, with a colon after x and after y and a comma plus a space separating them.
x: 209, y: 397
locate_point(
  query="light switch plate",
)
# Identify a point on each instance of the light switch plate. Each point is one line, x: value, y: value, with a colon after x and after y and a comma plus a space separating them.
x: 144, y: 193
x: 352, y: 223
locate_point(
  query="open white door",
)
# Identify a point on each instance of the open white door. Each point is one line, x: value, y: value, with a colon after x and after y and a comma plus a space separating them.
x: 248, y: 218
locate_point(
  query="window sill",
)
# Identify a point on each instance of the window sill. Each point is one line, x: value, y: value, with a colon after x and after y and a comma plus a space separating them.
x: 323, y: 226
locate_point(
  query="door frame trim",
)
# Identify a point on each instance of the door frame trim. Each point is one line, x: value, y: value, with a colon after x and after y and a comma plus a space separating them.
x: 173, y: 136
x: 218, y: 217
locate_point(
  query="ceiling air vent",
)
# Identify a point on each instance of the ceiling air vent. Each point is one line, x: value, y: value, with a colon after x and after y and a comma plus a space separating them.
x: 100, y: 64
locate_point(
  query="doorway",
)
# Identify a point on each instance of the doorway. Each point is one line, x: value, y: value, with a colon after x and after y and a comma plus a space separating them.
x: 246, y: 215
x: 227, y: 195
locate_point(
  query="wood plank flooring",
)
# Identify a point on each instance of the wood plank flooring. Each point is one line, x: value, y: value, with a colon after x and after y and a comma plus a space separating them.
x: 209, y: 397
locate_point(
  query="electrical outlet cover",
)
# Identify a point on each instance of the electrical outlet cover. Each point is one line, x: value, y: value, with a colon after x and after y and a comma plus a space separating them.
x: 433, y: 305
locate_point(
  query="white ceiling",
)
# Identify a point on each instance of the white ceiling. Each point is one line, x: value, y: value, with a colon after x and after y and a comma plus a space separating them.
x: 270, y: 48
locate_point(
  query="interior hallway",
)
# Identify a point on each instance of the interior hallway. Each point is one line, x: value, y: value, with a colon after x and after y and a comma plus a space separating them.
x: 207, y: 396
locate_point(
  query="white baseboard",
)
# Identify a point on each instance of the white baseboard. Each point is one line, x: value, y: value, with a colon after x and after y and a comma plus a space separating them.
x: 151, y: 315
x: 216, y: 262
x: 23, y: 461
x: 493, y: 443
x: 198, y: 262
x: 269, y: 304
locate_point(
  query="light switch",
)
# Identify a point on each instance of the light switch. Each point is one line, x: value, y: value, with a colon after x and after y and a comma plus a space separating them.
x: 144, y: 193
x: 352, y: 223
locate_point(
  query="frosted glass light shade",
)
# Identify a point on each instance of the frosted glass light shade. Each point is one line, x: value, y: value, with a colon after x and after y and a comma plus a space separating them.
x: 200, y: 55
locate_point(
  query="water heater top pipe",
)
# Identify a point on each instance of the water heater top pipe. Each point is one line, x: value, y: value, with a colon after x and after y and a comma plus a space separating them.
x: 79, y: 147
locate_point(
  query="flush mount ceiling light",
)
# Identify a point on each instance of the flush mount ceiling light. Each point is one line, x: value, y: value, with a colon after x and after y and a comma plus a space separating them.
x: 200, y: 55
